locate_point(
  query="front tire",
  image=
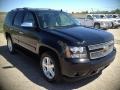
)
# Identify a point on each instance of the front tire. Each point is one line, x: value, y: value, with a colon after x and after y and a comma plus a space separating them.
x: 10, y: 45
x: 50, y: 68
x: 97, y: 26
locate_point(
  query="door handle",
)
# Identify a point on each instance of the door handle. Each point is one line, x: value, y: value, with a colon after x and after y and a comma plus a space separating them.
x: 21, y: 32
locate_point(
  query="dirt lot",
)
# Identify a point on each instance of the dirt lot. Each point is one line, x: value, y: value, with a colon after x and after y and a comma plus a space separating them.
x: 21, y: 72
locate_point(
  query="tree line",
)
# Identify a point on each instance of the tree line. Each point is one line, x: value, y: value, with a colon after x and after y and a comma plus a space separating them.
x: 116, y: 11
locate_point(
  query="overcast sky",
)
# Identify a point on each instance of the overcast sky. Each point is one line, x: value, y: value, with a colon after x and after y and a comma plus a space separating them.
x: 67, y: 5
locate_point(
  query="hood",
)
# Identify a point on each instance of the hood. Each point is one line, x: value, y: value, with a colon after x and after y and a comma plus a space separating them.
x: 113, y: 19
x: 82, y: 34
x: 103, y: 20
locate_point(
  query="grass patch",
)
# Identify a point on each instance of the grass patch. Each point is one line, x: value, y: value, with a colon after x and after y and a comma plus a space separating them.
x: 2, y: 17
x: 1, y: 27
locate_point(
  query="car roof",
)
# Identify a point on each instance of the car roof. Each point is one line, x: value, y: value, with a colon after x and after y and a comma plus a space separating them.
x: 36, y: 9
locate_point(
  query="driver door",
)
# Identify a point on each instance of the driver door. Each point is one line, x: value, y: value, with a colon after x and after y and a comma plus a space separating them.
x: 89, y: 21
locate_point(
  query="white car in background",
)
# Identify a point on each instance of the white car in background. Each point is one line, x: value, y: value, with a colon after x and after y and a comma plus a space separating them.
x: 96, y: 20
x: 115, y: 18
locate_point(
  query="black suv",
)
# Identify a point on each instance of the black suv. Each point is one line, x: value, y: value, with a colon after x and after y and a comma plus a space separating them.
x: 65, y: 48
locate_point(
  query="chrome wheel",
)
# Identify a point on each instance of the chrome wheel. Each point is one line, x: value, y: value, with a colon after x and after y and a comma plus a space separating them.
x: 97, y: 26
x: 48, y: 67
x: 9, y: 44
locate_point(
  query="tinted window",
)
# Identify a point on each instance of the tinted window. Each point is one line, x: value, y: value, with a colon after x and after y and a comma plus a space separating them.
x: 9, y: 18
x: 56, y: 20
x: 29, y: 18
x: 114, y: 16
x: 102, y: 16
x: 18, y: 18
x: 89, y: 17
x: 96, y: 16
x: 109, y: 16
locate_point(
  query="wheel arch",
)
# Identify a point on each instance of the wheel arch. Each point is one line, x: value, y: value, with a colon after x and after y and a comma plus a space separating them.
x: 43, y: 49
x: 7, y: 35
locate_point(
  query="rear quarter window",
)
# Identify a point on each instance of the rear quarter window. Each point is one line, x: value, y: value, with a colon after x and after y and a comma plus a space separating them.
x: 9, y: 18
x: 18, y: 18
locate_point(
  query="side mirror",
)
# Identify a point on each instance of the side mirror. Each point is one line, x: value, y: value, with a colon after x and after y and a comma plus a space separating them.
x: 27, y: 24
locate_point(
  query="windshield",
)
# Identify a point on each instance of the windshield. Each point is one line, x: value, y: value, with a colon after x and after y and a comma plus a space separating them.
x: 96, y: 16
x: 115, y: 16
x: 112, y: 16
x: 109, y: 16
x: 56, y: 20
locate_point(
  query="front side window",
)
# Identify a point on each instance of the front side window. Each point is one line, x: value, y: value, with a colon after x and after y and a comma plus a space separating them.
x: 55, y: 20
x: 114, y: 16
x: 102, y: 16
x: 109, y: 16
x: 89, y: 17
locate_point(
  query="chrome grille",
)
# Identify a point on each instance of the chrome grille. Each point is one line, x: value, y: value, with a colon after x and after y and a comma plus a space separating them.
x: 101, y: 50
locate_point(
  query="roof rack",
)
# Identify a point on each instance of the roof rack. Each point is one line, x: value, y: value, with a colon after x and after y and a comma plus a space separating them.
x: 28, y: 8
x: 18, y: 9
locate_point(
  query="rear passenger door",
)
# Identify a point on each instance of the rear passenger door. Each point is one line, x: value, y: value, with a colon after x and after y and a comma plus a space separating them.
x: 17, y: 26
x: 28, y: 36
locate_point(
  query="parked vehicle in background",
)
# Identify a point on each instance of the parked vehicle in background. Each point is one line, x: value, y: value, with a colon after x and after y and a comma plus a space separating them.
x: 118, y: 15
x: 65, y: 49
x: 96, y: 20
x: 115, y: 18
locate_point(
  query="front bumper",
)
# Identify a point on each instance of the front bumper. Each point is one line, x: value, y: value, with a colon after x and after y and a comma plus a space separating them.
x: 106, y: 26
x: 75, y: 68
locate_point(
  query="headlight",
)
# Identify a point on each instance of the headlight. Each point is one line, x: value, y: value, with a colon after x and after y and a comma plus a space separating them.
x: 76, y: 52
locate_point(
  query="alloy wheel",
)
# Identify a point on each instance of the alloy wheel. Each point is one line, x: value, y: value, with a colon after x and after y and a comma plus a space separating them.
x: 48, y: 67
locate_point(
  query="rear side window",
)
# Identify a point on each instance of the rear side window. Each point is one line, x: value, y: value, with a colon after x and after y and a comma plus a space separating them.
x: 18, y: 18
x: 9, y: 18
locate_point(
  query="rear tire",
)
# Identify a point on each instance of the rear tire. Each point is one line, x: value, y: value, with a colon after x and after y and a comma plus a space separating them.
x: 50, y: 67
x: 113, y: 25
x: 10, y: 45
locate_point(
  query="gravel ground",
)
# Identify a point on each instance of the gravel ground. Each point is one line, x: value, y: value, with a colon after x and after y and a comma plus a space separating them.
x: 21, y: 72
